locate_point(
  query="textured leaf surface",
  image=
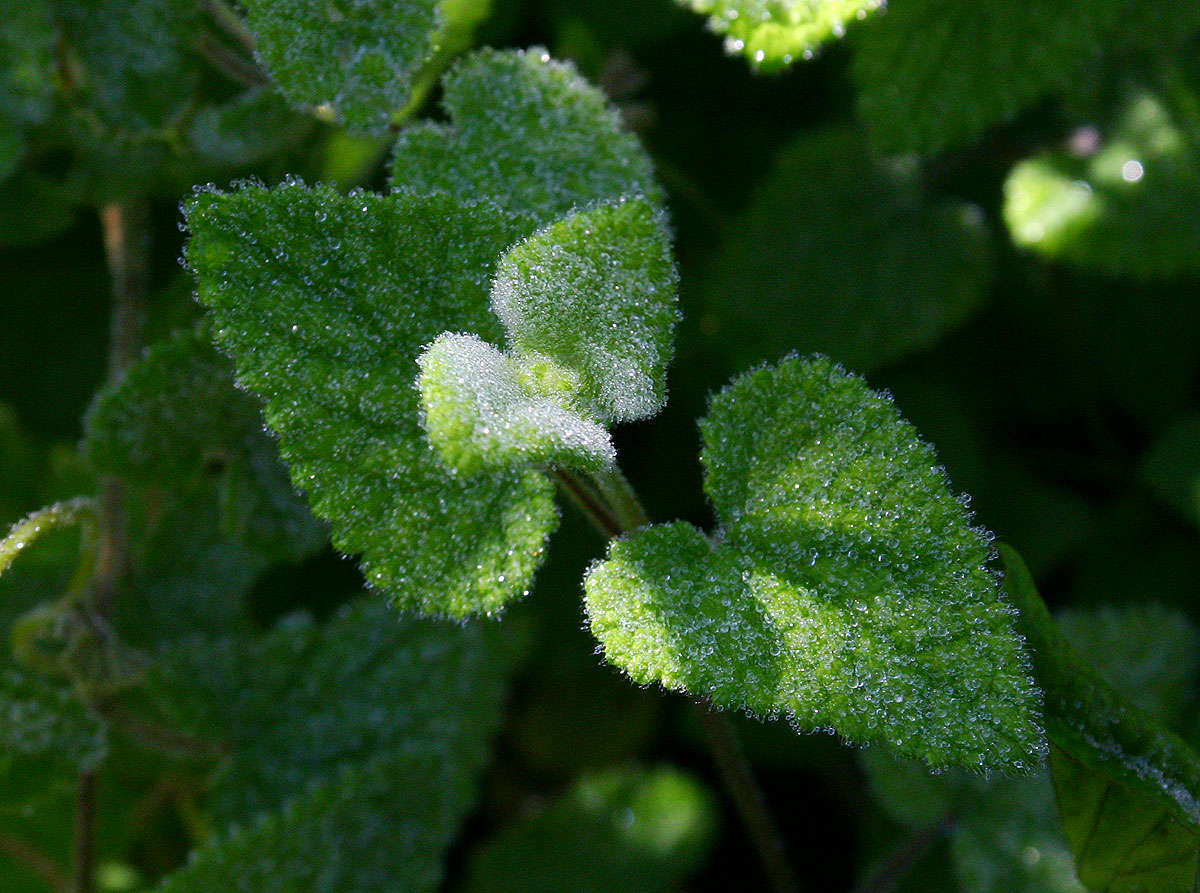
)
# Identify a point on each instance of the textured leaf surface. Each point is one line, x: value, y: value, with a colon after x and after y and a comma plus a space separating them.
x: 1127, y: 788
x: 1130, y: 208
x: 847, y: 590
x: 358, y: 56
x: 595, y: 293
x: 480, y: 414
x: 356, y: 744
x: 621, y: 829
x: 840, y: 253
x: 978, y: 64
x: 176, y: 420
x: 528, y: 133
x: 774, y: 33
x: 325, y: 301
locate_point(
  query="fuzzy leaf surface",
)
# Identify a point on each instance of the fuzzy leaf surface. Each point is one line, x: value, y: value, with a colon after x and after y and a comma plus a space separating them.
x: 794, y: 275
x: 358, y: 57
x: 774, y: 33
x: 480, y: 414
x: 1128, y: 789
x: 595, y: 293
x: 644, y: 830
x: 847, y: 589
x: 1129, y: 209
x: 979, y: 65
x: 325, y: 301
x: 354, y: 748
x: 528, y: 133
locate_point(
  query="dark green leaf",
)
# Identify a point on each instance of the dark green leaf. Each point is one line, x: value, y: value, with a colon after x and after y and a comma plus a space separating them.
x: 1172, y: 467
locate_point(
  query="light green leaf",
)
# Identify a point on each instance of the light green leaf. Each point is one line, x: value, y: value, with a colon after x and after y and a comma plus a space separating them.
x: 551, y: 142
x: 979, y: 64
x: 774, y: 33
x: 840, y: 253
x: 325, y: 301
x: 177, y: 421
x: 595, y: 293
x: 357, y: 57
x: 1172, y: 467
x: 1130, y: 208
x: 621, y: 829
x: 846, y: 589
x: 355, y: 744
x: 479, y: 413
x: 1127, y: 788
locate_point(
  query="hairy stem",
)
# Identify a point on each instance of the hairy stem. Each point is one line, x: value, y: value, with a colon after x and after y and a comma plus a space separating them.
x: 609, y: 501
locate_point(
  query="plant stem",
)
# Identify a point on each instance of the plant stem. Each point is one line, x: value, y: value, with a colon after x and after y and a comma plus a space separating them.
x: 127, y: 250
x: 738, y: 779
x: 609, y: 501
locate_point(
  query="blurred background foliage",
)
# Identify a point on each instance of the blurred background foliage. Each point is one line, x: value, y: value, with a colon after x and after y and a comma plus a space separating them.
x: 1028, y: 288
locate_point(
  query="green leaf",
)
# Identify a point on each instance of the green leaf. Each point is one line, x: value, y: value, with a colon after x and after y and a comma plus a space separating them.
x: 47, y: 738
x: 1127, y: 788
x: 1172, y: 467
x: 1127, y: 209
x: 246, y: 129
x: 176, y: 420
x: 840, y: 253
x: 846, y: 589
x: 595, y: 293
x: 33, y: 207
x: 1004, y: 832
x: 26, y: 76
x: 621, y: 829
x: 480, y: 414
x: 324, y: 301
x: 979, y: 64
x: 357, y: 57
x: 550, y: 141
x: 774, y: 33
x: 356, y: 745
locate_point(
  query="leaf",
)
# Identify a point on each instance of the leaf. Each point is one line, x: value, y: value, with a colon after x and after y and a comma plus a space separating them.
x: 774, y: 33
x: 846, y: 589
x: 841, y: 253
x: 48, y: 737
x: 1126, y: 787
x: 32, y: 208
x: 1128, y: 209
x: 357, y: 57
x: 249, y: 127
x: 356, y: 745
x: 595, y: 293
x: 177, y: 421
x: 324, y: 301
x: 643, y: 830
x: 479, y: 413
x: 979, y: 65
x: 550, y: 141
x: 26, y: 87
x: 1172, y: 467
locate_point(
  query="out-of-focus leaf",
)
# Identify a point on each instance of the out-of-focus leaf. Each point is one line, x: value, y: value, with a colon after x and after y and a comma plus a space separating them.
x: 839, y: 252
x: 1172, y: 467
x: 246, y: 129
x: 846, y: 589
x: 26, y: 69
x: 621, y: 829
x: 1127, y: 788
x: 1128, y: 208
x: 32, y: 208
x: 774, y: 33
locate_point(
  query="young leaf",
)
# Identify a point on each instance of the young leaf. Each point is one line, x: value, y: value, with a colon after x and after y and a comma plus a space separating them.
x: 774, y: 33
x: 1130, y: 208
x: 357, y: 57
x: 1128, y: 790
x: 979, y: 65
x: 480, y: 414
x: 595, y: 293
x: 176, y: 420
x: 547, y: 140
x: 325, y: 300
x: 621, y: 829
x: 840, y: 253
x: 355, y: 744
x: 847, y: 589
